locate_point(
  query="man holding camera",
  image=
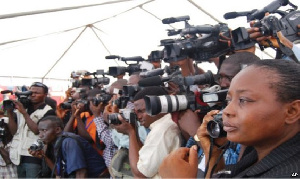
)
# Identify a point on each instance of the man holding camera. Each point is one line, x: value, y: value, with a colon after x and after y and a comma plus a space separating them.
x: 25, y: 130
x: 163, y: 138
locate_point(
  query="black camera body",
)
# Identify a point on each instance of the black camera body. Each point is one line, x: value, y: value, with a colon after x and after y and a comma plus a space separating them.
x: 39, y: 145
x: 67, y: 104
x: 23, y: 97
x: 121, y: 102
x: 199, y: 48
x: 215, y: 127
x: 101, y: 98
x: 270, y: 25
x: 127, y: 115
x: 85, y: 103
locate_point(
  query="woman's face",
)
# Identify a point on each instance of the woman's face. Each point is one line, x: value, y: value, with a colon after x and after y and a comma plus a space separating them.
x: 253, y: 115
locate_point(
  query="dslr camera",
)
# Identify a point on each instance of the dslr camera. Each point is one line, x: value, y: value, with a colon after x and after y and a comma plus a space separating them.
x: 215, y: 127
x: 67, y: 104
x: 127, y: 114
x: 101, y: 98
x: 38, y: 145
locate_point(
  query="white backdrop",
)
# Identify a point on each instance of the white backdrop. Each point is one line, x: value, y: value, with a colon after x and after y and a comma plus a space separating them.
x: 40, y: 45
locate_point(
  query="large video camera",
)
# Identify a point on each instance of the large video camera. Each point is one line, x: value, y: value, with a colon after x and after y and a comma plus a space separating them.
x: 182, y: 82
x: 119, y: 70
x: 127, y: 114
x: 202, y: 42
x: 95, y: 81
x: 23, y: 97
x: 270, y: 24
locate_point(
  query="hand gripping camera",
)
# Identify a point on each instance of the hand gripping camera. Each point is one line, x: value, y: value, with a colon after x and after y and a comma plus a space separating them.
x: 215, y: 127
x: 127, y: 114
x: 38, y: 145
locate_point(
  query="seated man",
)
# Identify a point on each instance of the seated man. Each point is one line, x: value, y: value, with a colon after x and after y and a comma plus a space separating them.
x: 163, y: 138
x: 72, y: 153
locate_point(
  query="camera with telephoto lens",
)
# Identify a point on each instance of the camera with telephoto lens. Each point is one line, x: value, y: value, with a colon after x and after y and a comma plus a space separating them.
x: 127, y: 114
x: 38, y: 145
x: 215, y: 127
x: 101, y: 98
x: 67, y: 104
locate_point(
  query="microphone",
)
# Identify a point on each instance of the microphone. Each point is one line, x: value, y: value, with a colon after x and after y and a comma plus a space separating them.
x: 136, y: 58
x: 112, y: 57
x: 232, y: 15
x: 175, y: 19
x: 272, y: 7
x: 153, y: 81
x: 206, y: 29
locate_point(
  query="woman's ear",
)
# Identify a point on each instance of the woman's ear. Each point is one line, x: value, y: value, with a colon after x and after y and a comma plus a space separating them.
x: 293, y: 112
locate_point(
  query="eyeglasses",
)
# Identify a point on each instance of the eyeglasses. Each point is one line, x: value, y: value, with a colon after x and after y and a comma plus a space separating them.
x: 39, y: 84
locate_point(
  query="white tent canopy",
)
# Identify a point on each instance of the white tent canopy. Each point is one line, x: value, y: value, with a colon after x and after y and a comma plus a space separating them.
x: 46, y: 40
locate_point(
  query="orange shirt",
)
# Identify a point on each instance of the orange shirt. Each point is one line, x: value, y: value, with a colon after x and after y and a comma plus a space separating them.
x: 90, y: 126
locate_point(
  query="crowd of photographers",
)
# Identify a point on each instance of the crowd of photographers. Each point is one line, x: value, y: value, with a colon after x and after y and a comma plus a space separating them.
x: 177, y: 121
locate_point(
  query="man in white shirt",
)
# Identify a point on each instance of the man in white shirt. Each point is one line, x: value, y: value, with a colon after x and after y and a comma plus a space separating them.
x: 163, y: 138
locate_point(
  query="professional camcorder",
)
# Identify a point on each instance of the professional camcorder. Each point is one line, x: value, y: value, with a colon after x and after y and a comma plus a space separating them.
x: 23, y: 97
x: 270, y: 25
x: 118, y: 70
x: 95, y: 81
x: 203, y: 42
x: 127, y: 114
x: 206, y: 78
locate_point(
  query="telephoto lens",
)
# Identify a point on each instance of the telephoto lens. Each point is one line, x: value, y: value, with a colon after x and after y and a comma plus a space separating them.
x: 215, y: 127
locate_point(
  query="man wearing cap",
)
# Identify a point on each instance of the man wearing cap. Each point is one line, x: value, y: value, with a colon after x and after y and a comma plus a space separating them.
x: 25, y: 130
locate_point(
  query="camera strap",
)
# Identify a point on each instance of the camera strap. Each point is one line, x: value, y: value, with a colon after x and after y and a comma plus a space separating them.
x: 223, y: 148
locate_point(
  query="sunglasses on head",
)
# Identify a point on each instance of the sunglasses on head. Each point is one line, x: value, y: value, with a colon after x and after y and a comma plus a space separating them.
x: 39, y: 84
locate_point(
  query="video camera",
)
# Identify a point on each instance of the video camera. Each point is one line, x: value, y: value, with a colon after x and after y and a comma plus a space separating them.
x: 182, y: 82
x: 118, y: 70
x: 23, y: 97
x: 203, y: 42
x: 95, y: 81
x: 270, y: 24
x: 155, y: 56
